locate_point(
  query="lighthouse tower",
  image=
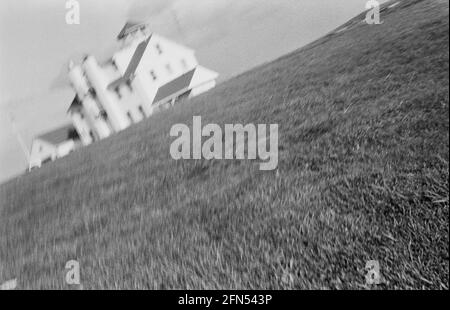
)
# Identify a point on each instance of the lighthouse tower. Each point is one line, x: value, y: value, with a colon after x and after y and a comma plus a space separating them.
x: 93, y: 112
x: 99, y: 82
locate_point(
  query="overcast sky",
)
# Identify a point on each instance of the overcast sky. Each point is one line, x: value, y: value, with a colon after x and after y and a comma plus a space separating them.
x: 229, y: 36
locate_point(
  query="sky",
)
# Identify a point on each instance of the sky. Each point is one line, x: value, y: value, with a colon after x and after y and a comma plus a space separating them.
x: 229, y: 36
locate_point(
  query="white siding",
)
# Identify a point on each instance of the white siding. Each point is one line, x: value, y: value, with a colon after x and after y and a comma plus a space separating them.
x: 40, y: 151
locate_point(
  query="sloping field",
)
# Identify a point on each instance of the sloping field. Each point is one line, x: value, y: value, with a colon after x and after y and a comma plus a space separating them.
x: 363, y: 175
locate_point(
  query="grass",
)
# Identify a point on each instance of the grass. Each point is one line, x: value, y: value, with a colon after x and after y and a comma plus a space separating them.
x: 363, y: 174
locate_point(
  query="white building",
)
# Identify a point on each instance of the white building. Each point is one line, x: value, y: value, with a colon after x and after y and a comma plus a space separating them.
x: 52, y: 145
x: 146, y: 74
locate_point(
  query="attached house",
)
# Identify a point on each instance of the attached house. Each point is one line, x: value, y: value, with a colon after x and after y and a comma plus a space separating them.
x: 52, y: 145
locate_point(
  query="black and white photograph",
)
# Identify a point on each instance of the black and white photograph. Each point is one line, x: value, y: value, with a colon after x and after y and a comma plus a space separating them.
x: 224, y: 151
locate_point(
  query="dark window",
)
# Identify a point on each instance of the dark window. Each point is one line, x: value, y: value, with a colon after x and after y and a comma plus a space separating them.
x: 158, y: 49
x: 104, y: 115
x: 92, y: 92
x: 129, y: 85
x: 114, y: 64
x: 81, y: 115
x: 92, y: 135
x: 130, y: 117
x: 141, y: 109
x: 153, y: 75
x: 117, y: 90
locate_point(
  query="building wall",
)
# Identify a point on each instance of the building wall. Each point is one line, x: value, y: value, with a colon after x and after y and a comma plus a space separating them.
x: 202, y: 81
x: 111, y: 71
x: 99, y: 81
x: 82, y: 126
x: 63, y: 149
x: 40, y: 151
x: 203, y: 88
x: 130, y: 101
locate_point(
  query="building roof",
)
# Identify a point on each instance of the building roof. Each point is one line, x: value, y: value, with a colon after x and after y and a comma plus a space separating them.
x: 58, y: 135
x: 175, y: 86
x: 132, y: 66
x: 128, y: 28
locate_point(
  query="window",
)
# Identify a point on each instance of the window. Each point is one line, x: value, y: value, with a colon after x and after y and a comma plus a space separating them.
x: 169, y: 68
x: 153, y: 75
x: 114, y: 64
x: 130, y: 117
x: 81, y: 115
x: 117, y: 90
x: 92, y: 92
x: 92, y: 135
x: 128, y: 82
x: 158, y: 49
x: 104, y: 115
x: 141, y: 110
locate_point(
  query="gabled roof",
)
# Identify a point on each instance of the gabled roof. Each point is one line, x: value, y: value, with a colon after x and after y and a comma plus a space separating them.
x: 58, y: 135
x: 76, y: 103
x: 128, y: 28
x: 175, y: 86
x: 132, y: 66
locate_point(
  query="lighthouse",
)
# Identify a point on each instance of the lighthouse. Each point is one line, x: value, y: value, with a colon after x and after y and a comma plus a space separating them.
x: 93, y: 112
x: 97, y: 79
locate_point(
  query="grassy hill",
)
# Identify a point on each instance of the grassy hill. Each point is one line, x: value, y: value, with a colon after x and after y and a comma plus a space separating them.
x: 363, y: 174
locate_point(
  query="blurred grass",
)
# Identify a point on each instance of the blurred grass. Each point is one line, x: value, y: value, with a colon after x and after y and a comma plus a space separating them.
x: 363, y: 174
